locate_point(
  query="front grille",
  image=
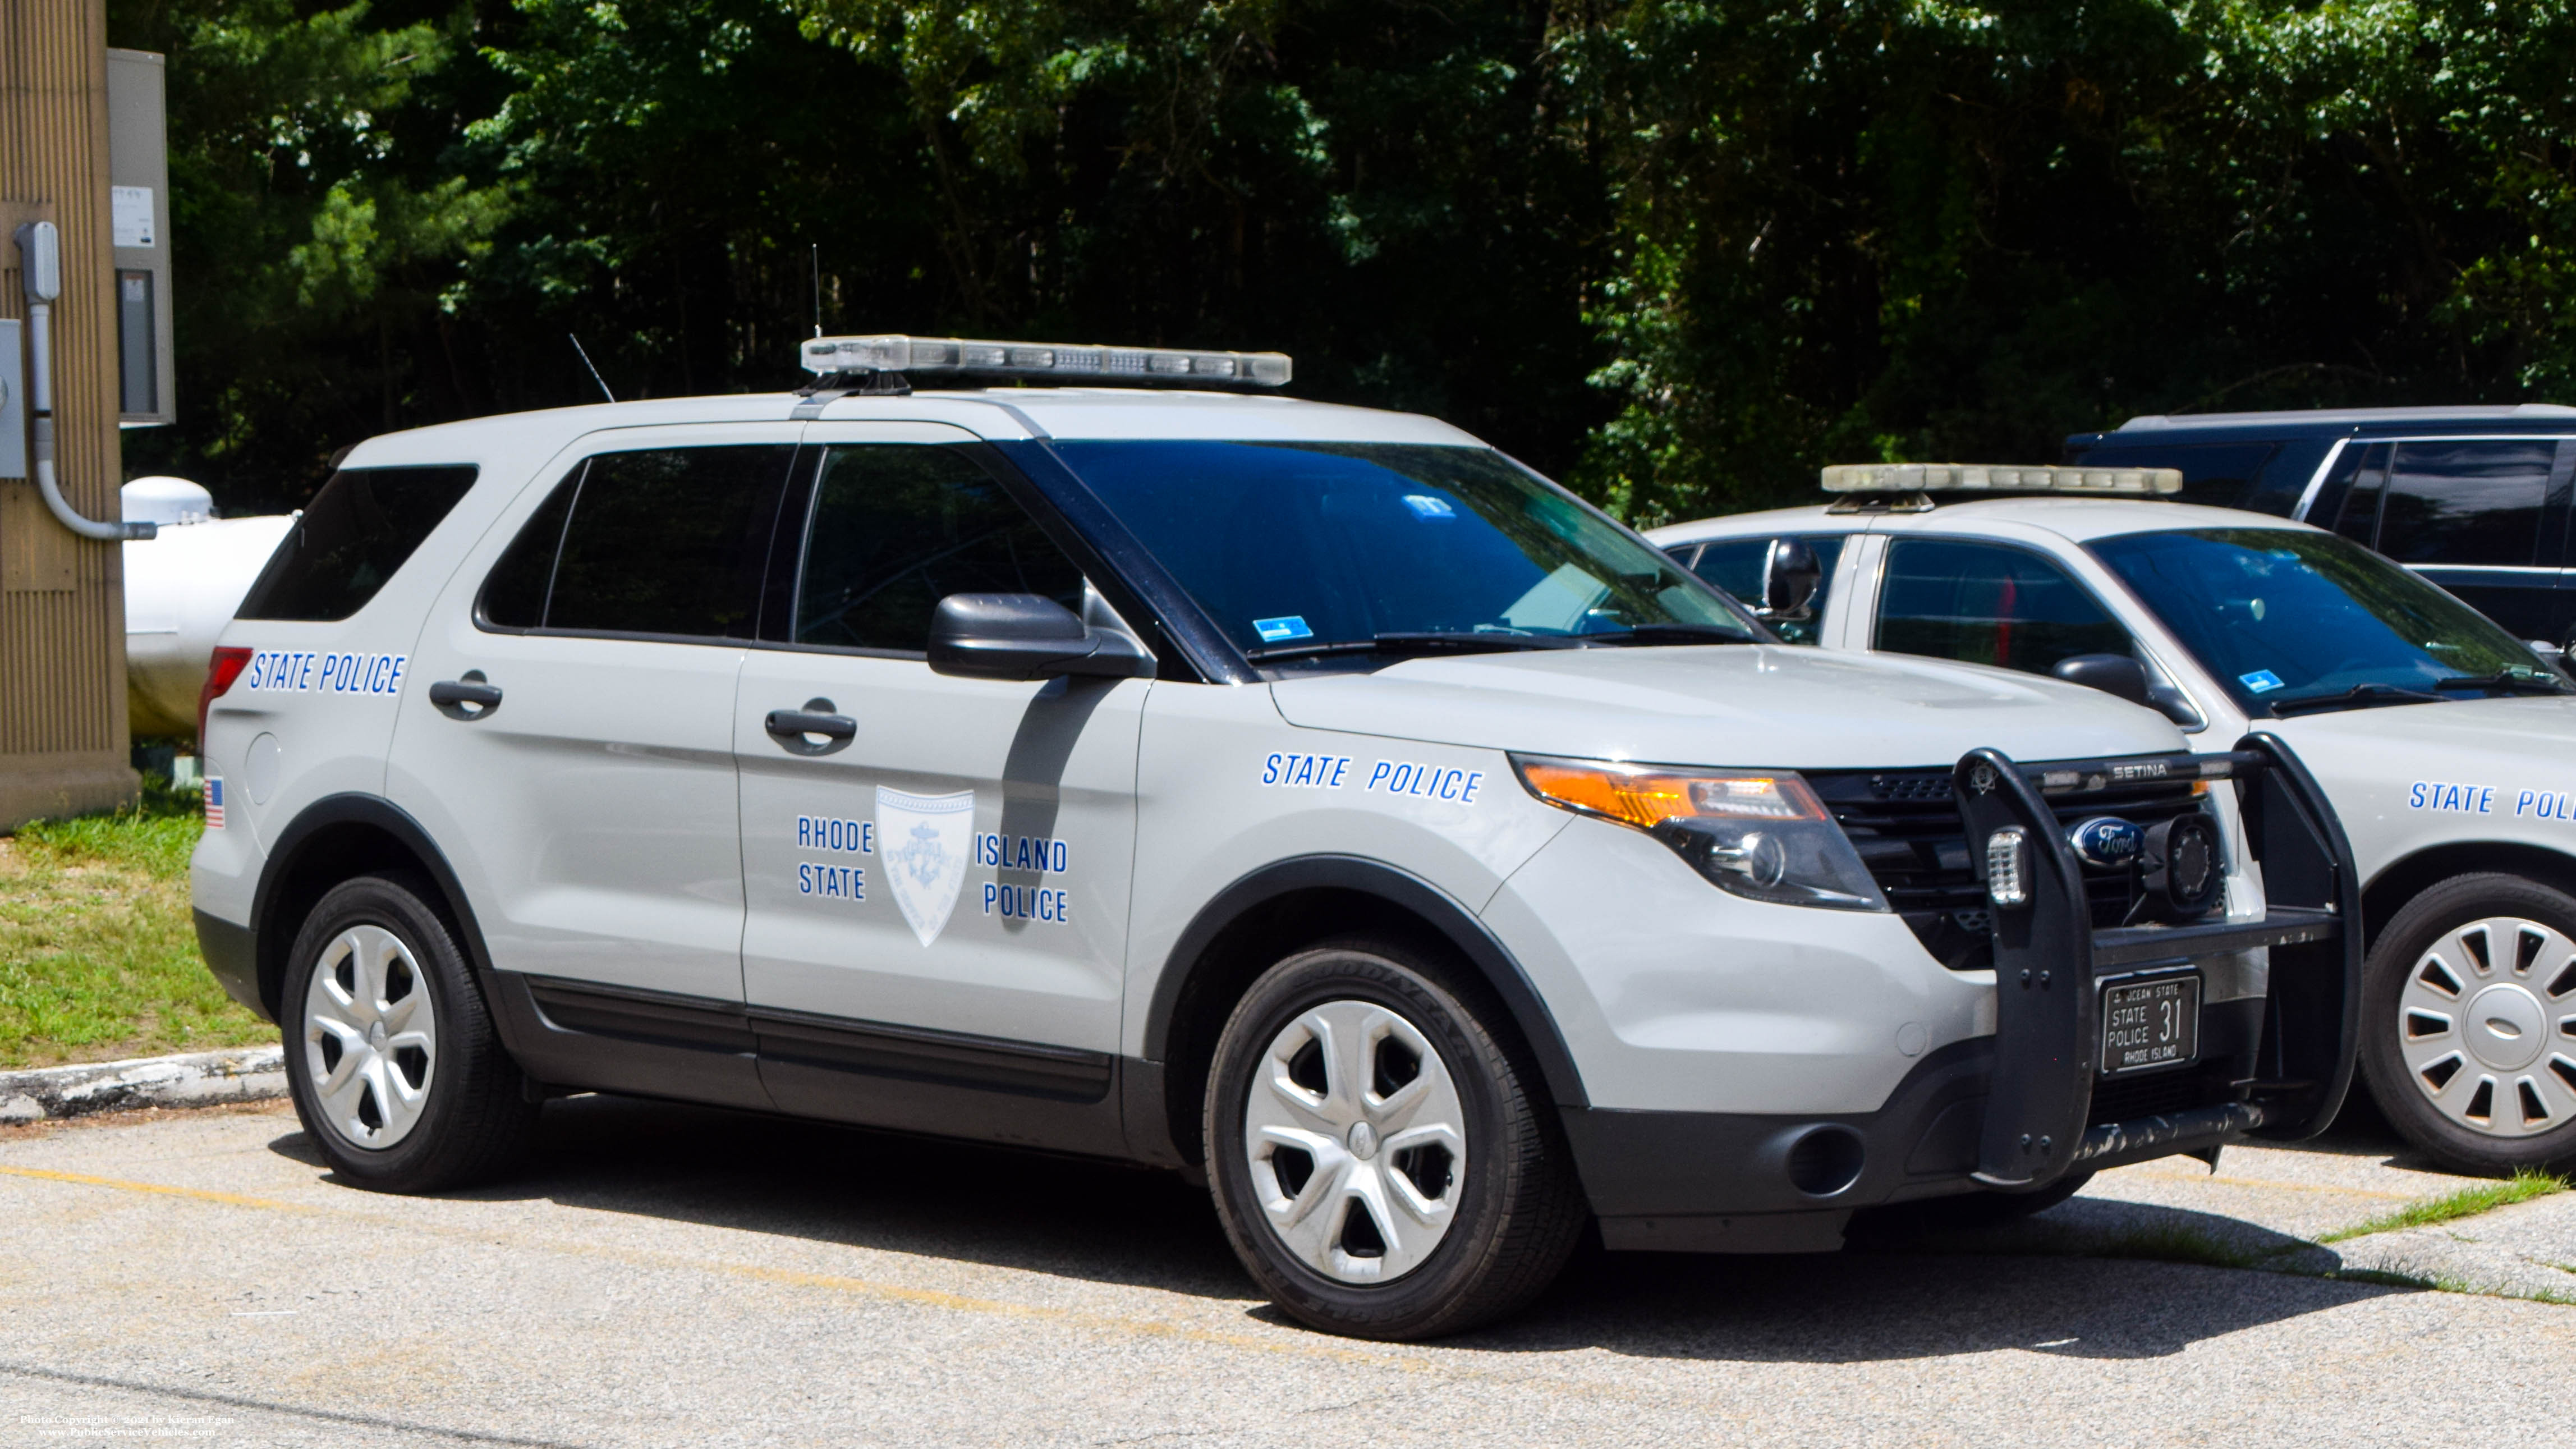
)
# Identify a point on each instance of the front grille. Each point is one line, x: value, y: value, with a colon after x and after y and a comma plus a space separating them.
x: 1906, y: 826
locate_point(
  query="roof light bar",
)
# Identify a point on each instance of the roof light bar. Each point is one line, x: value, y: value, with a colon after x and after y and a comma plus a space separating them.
x: 917, y: 355
x: 1990, y: 478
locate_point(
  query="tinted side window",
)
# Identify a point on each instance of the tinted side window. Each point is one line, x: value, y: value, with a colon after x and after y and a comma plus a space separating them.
x: 352, y: 537
x: 2466, y: 503
x: 896, y: 528
x: 1735, y: 565
x: 2357, y: 491
x: 1985, y: 604
x: 514, y: 595
x: 667, y: 541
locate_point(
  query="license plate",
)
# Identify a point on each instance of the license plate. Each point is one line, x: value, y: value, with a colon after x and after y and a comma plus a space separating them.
x: 2148, y: 1024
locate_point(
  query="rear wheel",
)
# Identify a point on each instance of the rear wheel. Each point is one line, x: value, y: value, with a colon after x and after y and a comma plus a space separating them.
x: 2469, y: 1024
x: 391, y: 1057
x: 1383, y: 1162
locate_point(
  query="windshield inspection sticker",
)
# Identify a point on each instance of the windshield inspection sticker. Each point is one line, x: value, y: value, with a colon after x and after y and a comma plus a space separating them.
x: 1426, y: 506
x: 1283, y: 628
x: 2261, y: 681
x: 2453, y: 799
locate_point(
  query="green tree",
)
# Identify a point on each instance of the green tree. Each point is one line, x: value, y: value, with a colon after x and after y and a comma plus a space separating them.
x: 1682, y: 251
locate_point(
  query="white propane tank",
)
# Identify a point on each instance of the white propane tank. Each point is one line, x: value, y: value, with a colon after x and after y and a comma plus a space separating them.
x: 181, y: 589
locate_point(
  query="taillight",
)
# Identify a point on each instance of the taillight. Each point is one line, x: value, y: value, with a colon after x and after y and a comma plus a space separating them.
x: 229, y: 661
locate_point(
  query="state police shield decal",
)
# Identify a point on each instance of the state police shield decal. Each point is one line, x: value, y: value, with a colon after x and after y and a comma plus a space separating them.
x: 926, y: 840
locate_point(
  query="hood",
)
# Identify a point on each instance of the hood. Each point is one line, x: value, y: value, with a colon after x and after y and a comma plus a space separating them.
x: 2541, y: 727
x: 1751, y: 705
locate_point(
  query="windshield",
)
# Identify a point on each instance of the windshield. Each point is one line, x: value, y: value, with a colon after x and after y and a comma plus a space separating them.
x: 2281, y: 616
x: 1317, y: 548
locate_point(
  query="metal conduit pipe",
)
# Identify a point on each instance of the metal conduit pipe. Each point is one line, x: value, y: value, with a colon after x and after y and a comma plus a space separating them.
x: 41, y: 264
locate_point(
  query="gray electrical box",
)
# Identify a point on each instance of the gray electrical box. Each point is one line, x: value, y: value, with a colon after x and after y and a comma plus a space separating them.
x: 13, y: 400
x: 138, y: 182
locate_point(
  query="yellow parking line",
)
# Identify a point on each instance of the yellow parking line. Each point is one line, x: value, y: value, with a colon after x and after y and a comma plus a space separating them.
x: 231, y: 1199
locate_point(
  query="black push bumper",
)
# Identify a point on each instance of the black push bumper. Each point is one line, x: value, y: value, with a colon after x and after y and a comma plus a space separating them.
x: 2051, y: 963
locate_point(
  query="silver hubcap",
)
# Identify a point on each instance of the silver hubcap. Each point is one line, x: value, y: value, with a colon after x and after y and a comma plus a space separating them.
x: 2487, y: 1026
x: 1357, y: 1141
x: 370, y: 1037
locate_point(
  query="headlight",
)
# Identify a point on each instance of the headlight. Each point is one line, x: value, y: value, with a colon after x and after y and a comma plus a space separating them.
x: 1757, y: 833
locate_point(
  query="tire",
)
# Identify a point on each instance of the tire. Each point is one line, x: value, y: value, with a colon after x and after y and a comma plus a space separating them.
x: 1345, y: 1232
x: 396, y: 1072
x: 2468, y: 1023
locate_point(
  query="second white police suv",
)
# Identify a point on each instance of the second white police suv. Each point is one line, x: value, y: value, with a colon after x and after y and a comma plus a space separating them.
x: 1307, y: 796
x: 2440, y: 739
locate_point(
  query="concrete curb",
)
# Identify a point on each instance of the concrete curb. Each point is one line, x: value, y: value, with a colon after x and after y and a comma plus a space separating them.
x: 2522, y: 1251
x: 242, y: 1074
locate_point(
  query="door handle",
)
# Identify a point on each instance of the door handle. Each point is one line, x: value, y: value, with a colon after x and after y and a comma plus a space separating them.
x: 796, y: 729
x: 470, y: 697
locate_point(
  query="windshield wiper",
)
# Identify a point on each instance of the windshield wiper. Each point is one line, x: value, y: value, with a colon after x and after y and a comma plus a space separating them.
x: 2504, y: 679
x: 2357, y: 695
x: 1673, y: 634
x: 1415, y: 642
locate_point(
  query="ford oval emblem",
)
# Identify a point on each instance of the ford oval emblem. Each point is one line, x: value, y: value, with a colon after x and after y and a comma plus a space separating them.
x: 2107, y: 840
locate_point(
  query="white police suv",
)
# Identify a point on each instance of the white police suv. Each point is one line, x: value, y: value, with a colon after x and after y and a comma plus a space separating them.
x: 1305, y: 795
x: 2442, y: 741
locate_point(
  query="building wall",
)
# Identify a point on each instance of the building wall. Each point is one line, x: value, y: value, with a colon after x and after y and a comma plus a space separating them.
x: 63, y: 742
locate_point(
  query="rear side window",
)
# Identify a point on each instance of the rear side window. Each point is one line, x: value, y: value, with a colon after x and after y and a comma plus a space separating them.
x: 1735, y: 565
x: 898, y: 527
x: 353, y: 536
x: 2350, y: 501
x: 1986, y: 604
x: 668, y: 541
x: 2466, y: 503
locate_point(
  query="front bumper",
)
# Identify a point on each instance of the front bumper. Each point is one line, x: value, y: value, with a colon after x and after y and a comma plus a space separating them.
x: 2016, y: 1111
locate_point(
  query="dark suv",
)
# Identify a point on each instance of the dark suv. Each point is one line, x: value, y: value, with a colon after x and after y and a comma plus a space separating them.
x: 2473, y: 498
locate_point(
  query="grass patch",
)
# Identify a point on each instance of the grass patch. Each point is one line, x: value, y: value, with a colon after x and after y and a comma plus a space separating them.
x: 98, y: 955
x: 2468, y: 1202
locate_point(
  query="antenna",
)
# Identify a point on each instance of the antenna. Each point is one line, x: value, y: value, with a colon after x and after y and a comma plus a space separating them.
x: 594, y: 369
x: 818, y: 289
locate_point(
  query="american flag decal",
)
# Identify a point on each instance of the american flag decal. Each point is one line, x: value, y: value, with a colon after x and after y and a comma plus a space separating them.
x: 214, y: 803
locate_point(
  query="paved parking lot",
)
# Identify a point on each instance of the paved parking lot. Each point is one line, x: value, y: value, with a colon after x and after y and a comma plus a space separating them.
x: 685, y: 1277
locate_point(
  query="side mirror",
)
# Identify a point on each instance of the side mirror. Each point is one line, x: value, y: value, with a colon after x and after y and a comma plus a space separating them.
x: 2110, y: 673
x: 1790, y: 576
x: 1026, y: 636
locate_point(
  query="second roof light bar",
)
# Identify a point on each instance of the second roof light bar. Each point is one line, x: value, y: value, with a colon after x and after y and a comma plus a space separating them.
x: 1118, y: 366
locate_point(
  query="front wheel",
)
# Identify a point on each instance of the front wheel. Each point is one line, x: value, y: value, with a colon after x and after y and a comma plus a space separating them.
x: 391, y: 1058
x: 1383, y: 1161
x: 2469, y: 1024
